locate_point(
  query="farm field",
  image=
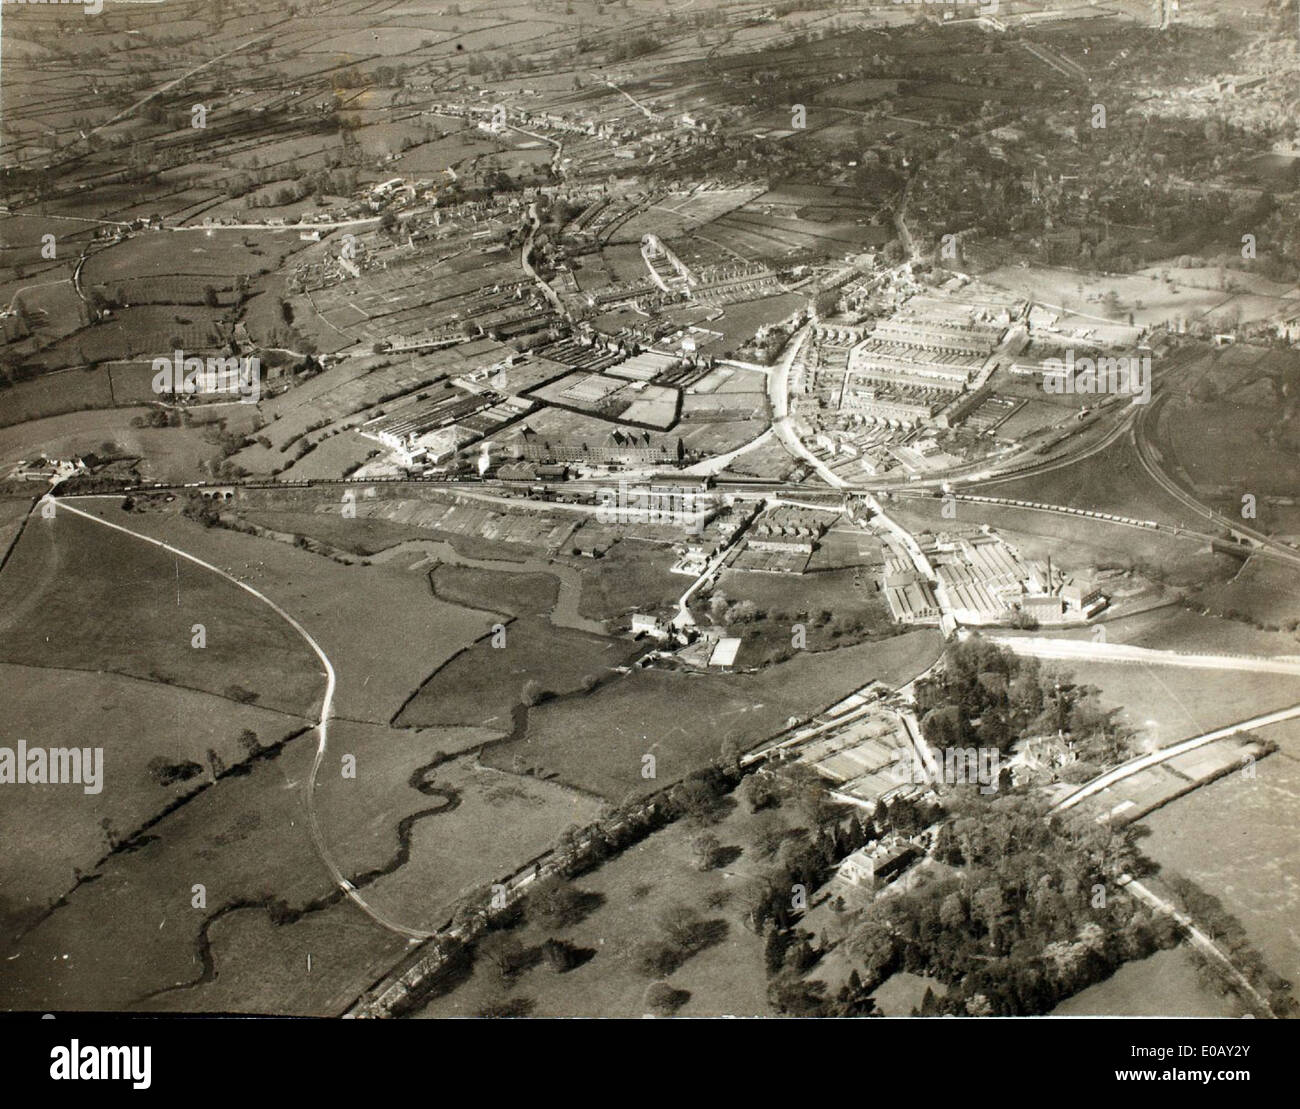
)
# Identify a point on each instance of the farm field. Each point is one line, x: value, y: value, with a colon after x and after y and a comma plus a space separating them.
x: 847, y: 547
x: 149, y: 330
x: 21, y: 239
x: 597, y: 741
x: 552, y: 588
x: 1163, y: 984
x: 709, y: 437
x: 173, y: 454
x: 1164, y: 704
x: 470, y: 558
x: 1226, y: 837
x: 901, y: 993
x: 484, y: 683
x: 53, y: 394
x: 54, y: 834
x: 627, y: 896
x: 357, y: 613
x: 256, y: 931
x: 145, y: 607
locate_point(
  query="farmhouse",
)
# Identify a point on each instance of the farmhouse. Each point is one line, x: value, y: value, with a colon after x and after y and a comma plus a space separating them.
x: 647, y: 625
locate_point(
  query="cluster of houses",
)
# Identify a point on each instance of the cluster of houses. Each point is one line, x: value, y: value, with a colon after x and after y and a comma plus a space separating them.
x: 51, y: 470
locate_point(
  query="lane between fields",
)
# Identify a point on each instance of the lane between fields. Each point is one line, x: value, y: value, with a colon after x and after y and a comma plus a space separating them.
x: 322, y: 725
x: 1198, y: 939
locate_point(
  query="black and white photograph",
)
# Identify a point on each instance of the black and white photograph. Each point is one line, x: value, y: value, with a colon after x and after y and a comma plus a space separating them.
x: 672, y: 509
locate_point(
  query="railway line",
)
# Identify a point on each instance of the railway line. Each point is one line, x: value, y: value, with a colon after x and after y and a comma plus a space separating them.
x: 1150, y: 462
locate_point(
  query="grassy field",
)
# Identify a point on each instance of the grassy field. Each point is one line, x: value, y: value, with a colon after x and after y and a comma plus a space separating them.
x: 172, y: 454
x: 451, y: 823
x: 1110, y: 481
x: 1231, y: 838
x: 478, y: 527
x: 77, y: 595
x: 768, y: 460
x: 362, y: 536
x: 1164, y: 704
x: 148, y: 330
x: 1267, y: 591
x: 484, y: 683
x: 52, y: 394
x: 632, y: 577
x: 514, y: 594
x: 627, y: 896
x: 1179, y: 629
x: 1151, y: 300
x: 796, y: 595
x: 15, y: 504
x: 597, y: 741
x: 55, y: 831
x: 380, y: 625
x: 1229, y: 431
x: 91, y: 952
x: 1163, y: 984
x: 413, y: 830
x: 834, y: 607
x: 195, y: 253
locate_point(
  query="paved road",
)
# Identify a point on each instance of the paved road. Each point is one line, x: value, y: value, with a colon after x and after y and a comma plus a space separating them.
x: 1164, y: 754
x: 1144, y: 893
x: 526, y: 261
x: 1088, y: 650
x: 778, y: 392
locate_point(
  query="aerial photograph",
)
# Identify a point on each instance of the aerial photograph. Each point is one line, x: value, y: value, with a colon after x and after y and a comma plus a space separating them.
x: 650, y: 508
